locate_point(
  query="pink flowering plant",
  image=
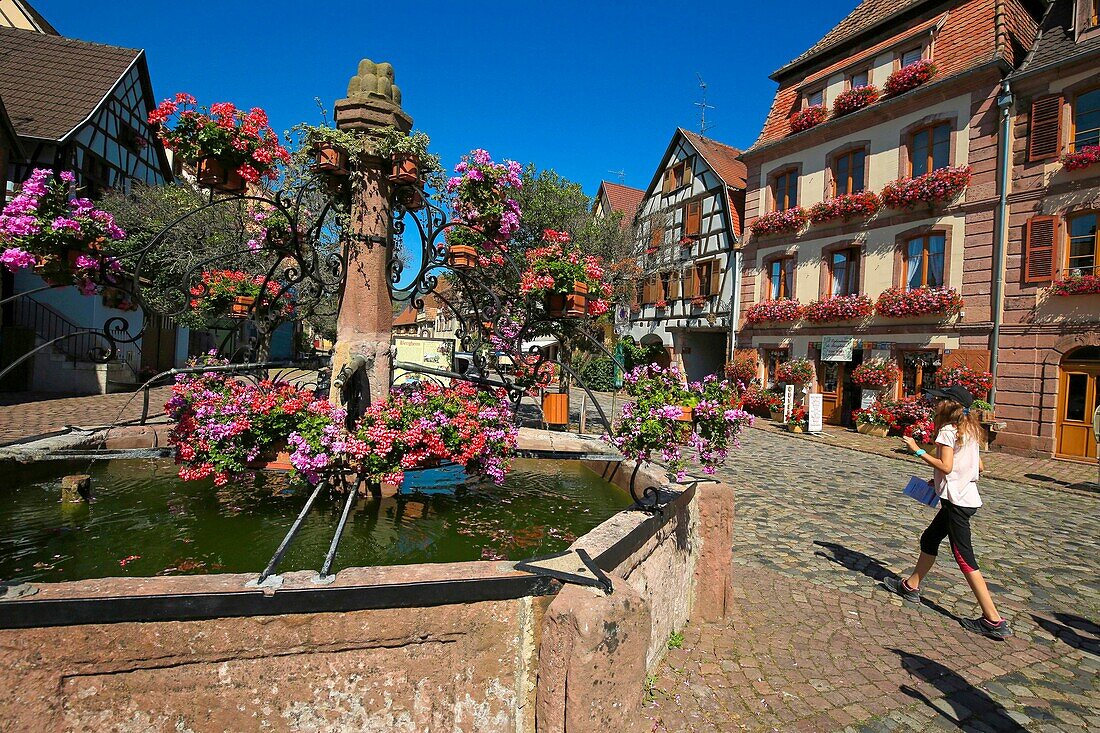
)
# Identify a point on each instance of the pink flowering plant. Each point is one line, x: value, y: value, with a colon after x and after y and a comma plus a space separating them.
x: 838, y: 308
x: 558, y: 264
x: 878, y: 413
x: 786, y: 221
x: 781, y: 310
x: 977, y: 383
x: 902, y: 303
x: 742, y: 370
x: 847, y: 206
x: 795, y: 371
x: 425, y: 424
x: 909, y: 77
x: 1076, y: 285
x: 1082, y: 158
x: 759, y: 401
x: 939, y: 186
x: 225, y: 427
x: 922, y: 431
x: 241, y: 141
x: 854, y: 99
x: 877, y: 373
x: 908, y: 411
x: 63, y: 238
x: 807, y: 118
x: 481, y: 198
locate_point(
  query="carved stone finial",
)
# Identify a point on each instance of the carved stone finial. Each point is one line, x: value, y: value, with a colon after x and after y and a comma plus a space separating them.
x: 374, y: 80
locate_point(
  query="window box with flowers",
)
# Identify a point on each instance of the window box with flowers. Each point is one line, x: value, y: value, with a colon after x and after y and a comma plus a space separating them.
x: 805, y: 119
x: 787, y: 221
x: 977, y: 383
x: 1081, y: 159
x: 661, y: 304
x: 861, y: 205
x: 700, y: 301
x: 874, y: 420
x: 877, y: 374
x: 909, y: 77
x: 902, y: 303
x: 838, y: 308
x: 1076, y: 285
x: 571, y: 284
x: 795, y: 371
x: 855, y: 99
x: 939, y: 186
x: 635, y: 308
x: 783, y: 310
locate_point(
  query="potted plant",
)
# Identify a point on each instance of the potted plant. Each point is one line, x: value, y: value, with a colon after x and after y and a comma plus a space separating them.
x: 798, y: 420
x: 759, y: 401
x: 699, y: 301
x: 854, y: 99
x: 838, y: 308
x: 1076, y: 283
x: 780, y: 310
x: 939, y: 186
x: 410, y: 162
x: 481, y: 200
x: 787, y: 221
x: 874, y: 420
x: 862, y: 205
x: 744, y: 368
x: 877, y: 374
x: 983, y: 410
x: 571, y: 284
x: 1083, y: 157
x: 796, y: 371
x: 229, y: 147
x: 237, y: 294
x: 977, y: 383
x: 330, y: 148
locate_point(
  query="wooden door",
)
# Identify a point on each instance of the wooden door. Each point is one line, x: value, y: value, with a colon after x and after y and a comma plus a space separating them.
x: 1077, y: 394
x: 830, y: 381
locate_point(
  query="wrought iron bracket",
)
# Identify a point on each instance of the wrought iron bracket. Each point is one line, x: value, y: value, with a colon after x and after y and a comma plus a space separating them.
x: 571, y: 566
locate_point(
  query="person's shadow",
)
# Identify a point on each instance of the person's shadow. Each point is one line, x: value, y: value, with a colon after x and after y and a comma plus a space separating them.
x: 974, y: 710
x: 1078, y: 632
x: 871, y: 567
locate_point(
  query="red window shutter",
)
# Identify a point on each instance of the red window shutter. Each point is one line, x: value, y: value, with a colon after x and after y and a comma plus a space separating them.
x: 1045, y: 140
x: 1040, y: 239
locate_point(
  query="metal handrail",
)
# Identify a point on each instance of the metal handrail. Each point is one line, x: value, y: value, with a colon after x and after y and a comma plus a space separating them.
x: 76, y: 342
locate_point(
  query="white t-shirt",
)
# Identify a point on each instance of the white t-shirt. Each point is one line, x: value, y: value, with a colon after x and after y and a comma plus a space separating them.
x: 960, y: 487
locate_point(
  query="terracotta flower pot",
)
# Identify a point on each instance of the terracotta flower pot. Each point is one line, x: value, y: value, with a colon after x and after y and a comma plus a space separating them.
x: 241, y: 306
x: 555, y: 408
x: 794, y: 429
x: 406, y: 169
x: 212, y: 173
x: 776, y: 415
x: 879, y: 431
x: 686, y: 414
x: 461, y: 256
x: 278, y: 460
x: 329, y: 159
x: 568, y: 305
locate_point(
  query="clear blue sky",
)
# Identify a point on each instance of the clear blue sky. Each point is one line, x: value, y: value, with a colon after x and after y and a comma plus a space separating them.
x: 580, y: 87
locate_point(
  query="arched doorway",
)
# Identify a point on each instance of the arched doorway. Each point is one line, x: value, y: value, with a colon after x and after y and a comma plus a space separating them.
x: 661, y: 358
x: 1078, y: 377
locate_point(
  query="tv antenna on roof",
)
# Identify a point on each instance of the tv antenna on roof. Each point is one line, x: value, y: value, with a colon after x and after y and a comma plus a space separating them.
x: 703, y: 107
x: 622, y: 176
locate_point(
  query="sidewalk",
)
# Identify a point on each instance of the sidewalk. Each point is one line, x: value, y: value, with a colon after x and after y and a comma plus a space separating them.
x: 1044, y: 472
x: 25, y: 415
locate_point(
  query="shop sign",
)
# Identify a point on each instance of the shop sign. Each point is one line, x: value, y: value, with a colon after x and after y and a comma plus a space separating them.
x: 836, y: 348
x: 814, y: 413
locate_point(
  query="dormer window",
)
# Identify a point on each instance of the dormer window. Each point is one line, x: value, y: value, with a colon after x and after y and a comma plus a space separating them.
x: 911, y: 56
x: 816, y: 98
x: 859, y: 79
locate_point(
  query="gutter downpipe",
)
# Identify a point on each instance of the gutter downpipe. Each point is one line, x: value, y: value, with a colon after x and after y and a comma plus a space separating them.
x: 1004, y: 103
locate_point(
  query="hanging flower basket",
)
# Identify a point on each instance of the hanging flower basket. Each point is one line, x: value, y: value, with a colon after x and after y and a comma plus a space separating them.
x: 568, y: 305
x: 406, y: 169
x: 975, y: 382
x: 241, y: 306
x: 861, y: 205
x: 807, y: 118
x: 329, y: 159
x: 461, y: 256
x: 570, y: 283
x: 212, y: 173
x: 902, y: 303
x: 784, y: 310
x: 555, y: 408
x: 879, y: 374
x: 939, y: 186
x: 909, y: 77
x: 686, y: 414
x: 411, y: 198
x: 787, y: 221
x: 795, y: 371
x: 854, y: 99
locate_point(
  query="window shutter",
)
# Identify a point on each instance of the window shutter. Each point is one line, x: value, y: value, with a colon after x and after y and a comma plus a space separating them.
x: 656, y: 238
x: 691, y: 284
x: 693, y: 215
x: 666, y: 185
x: 1045, y: 140
x: 1039, y: 245
x: 674, y: 285
x: 714, y: 277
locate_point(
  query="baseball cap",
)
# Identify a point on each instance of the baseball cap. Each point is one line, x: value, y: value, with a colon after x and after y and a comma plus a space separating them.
x: 955, y: 393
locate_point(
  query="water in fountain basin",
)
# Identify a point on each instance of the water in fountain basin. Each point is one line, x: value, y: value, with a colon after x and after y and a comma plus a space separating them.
x: 144, y: 521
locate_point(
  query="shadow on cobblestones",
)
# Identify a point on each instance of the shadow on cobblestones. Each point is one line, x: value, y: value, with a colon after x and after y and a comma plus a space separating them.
x: 1078, y: 632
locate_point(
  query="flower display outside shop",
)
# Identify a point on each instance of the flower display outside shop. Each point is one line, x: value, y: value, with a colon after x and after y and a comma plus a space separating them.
x: 922, y: 431
x: 782, y: 310
x: 807, y: 118
x: 425, y: 424
x: 786, y: 221
x: 1076, y: 285
x: 559, y: 267
x: 855, y: 99
x: 759, y: 401
x: 224, y: 427
x: 743, y: 369
x: 62, y: 238
x: 877, y: 413
x: 242, y: 142
x: 838, y: 308
x: 909, y: 77
x: 234, y: 291
x: 877, y: 373
x: 798, y: 420
x: 861, y: 205
x: 977, y: 383
x: 908, y: 411
x: 482, y: 200
x: 938, y: 186
x: 795, y: 371
x: 1080, y: 159
x: 902, y: 303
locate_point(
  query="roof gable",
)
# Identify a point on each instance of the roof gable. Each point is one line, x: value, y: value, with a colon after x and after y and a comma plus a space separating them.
x: 51, y: 84
x: 1056, y: 42
x: 621, y: 198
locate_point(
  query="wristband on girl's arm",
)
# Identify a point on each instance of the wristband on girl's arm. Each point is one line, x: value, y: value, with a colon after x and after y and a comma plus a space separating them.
x: 920, y: 452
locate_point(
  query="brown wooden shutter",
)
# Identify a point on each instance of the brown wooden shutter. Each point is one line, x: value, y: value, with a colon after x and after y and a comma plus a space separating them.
x: 693, y: 217
x: 715, y: 277
x: 1040, y: 239
x: 674, y: 285
x: 976, y: 359
x: 667, y: 185
x: 691, y: 286
x: 1045, y: 139
x: 656, y: 238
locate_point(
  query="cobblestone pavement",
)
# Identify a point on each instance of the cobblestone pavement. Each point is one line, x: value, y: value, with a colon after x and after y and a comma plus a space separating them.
x: 815, y: 644
x: 24, y: 416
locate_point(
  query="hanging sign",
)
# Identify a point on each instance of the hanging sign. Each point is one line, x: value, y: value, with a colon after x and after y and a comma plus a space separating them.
x: 867, y: 398
x: 788, y: 402
x: 814, y: 413
x: 836, y: 348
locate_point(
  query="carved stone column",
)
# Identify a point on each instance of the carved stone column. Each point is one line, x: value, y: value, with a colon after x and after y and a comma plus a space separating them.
x: 366, y: 317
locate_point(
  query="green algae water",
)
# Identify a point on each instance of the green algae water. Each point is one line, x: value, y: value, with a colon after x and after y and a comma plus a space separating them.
x: 144, y: 521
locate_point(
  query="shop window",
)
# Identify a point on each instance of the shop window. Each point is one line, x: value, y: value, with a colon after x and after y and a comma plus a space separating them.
x: 924, y: 261
x: 844, y: 272
x: 848, y: 172
x: 772, y: 359
x: 930, y: 149
x: 1083, y: 252
x: 781, y: 278
x: 1086, y: 118
x: 785, y: 189
x: 918, y: 371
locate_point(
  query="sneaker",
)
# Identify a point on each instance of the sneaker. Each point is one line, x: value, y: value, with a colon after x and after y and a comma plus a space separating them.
x: 897, y: 585
x: 999, y: 631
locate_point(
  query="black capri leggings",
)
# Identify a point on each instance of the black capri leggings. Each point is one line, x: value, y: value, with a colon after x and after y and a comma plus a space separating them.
x: 952, y: 522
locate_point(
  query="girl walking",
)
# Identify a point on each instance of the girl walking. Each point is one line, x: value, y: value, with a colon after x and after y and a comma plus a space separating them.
x: 957, y: 464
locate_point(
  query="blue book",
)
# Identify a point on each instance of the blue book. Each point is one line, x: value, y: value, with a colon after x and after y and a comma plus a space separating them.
x: 923, y: 491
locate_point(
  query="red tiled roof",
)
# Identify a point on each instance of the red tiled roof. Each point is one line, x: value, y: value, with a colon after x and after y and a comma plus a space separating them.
x: 723, y: 159
x: 406, y: 317
x: 50, y: 84
x: 623, y: 199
